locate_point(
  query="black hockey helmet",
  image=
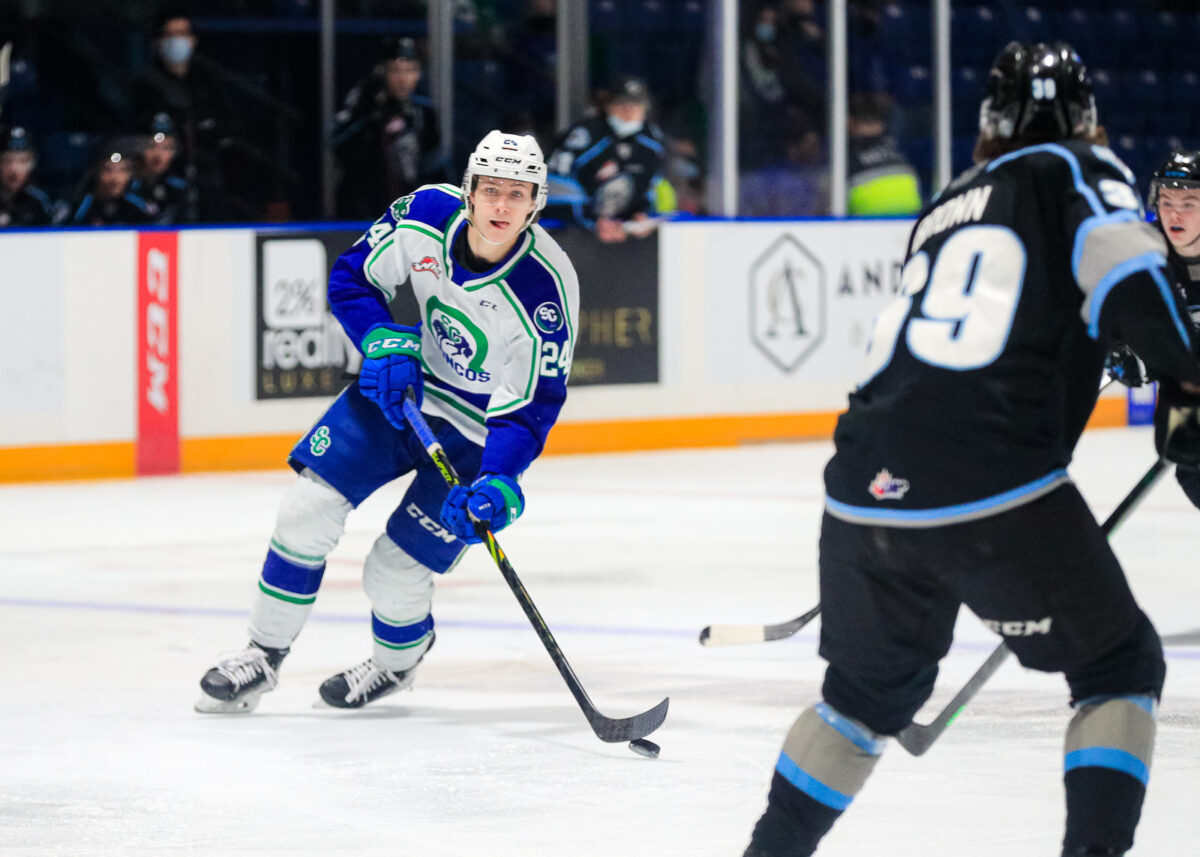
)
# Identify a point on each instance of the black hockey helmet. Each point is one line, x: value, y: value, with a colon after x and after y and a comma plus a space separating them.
x: 1038, y: 93
x: 399, y: 48
x: 1181, y: 169
x: 15, y: 139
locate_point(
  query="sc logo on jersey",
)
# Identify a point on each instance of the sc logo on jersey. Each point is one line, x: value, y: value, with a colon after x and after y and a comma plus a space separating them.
x: 547, y: 318
x: 787, y: 303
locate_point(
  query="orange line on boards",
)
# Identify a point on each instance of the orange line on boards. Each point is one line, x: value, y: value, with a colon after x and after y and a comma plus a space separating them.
x: 267, y: 452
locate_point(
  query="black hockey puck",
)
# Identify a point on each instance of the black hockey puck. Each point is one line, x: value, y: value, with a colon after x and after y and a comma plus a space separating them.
x: 645, y: 748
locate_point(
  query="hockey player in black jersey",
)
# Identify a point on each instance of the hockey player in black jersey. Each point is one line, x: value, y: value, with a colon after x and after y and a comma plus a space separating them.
x: 1175, y: 199
x: 949, y: 482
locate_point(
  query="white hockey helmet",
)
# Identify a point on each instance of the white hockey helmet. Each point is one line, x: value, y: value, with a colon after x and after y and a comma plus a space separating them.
x: 508, y: 156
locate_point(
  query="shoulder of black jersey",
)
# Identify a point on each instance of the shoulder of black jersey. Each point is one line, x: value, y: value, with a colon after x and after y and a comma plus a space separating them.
x: 1081, y: 157
x: 432, y: 204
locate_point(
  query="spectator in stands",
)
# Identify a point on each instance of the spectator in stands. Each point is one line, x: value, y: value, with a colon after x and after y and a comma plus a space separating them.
x: 802, y: 63
x: 529, y: 55
x: 386, y: 136
x: 605, y: 169
x: 21, y: 203
x: 797, y: 186
x: 109, y: 199
x: 158, y: 178
x: 879, y: 180
x: 181, y: 85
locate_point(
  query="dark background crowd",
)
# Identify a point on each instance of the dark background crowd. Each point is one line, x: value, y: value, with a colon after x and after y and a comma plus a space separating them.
x: 170, y: 112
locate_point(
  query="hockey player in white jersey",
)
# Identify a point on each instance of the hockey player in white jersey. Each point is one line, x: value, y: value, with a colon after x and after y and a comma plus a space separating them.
x: 488, y: 360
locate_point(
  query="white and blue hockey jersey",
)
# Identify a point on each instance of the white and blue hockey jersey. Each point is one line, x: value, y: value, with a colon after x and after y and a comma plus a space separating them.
x: 496, y: 347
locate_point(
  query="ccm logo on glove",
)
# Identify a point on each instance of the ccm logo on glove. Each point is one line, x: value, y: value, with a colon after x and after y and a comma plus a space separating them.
x: 492, y: 499
x: 392, y: 365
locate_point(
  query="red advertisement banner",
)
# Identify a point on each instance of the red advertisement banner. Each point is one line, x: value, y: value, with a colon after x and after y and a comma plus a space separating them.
x: 158, y: 353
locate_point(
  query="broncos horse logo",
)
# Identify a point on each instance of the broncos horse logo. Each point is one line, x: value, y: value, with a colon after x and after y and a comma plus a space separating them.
x: 451, y: 340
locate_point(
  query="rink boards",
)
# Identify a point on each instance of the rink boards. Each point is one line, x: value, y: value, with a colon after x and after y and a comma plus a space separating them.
x: 211, y: 349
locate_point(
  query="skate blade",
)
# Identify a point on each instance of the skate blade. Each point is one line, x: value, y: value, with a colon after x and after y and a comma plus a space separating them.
x: 207, y: 705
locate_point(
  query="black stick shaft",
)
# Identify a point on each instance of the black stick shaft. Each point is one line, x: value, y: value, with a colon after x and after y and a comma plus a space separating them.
x: 916, y: 738
x: 606, y: 728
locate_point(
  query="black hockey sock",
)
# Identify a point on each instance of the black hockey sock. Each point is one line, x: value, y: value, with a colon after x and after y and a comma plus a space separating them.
x: 1103, y: 808
x: 793, y: 823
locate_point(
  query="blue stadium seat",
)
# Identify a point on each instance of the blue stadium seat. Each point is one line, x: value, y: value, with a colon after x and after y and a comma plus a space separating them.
x: 652, y: 16
x: 905, y: 31
x: 1077, y: 26
x: 689, y: 16
x: 977, y: 34
x: 605, y: 16
x: 914, y: 86
x: 1031, y: 24
x: 63, y: 159
x: 1125, y: 42
x: 1130, y: 150
x: 966, y: 91
x: 961, y: 148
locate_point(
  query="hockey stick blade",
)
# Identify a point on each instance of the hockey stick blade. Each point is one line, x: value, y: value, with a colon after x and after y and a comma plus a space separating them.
x: 916, y: 738
x: 737, y: 635
x: 608, y: 729
x: 616, y: 731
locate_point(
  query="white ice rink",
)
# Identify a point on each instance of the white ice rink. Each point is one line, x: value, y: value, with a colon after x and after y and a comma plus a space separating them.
x: 115, y: 596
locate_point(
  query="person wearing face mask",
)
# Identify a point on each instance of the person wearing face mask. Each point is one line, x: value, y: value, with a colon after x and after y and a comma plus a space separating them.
x: 386, y: 136
x: 613, y: 162
x: 179, y: 83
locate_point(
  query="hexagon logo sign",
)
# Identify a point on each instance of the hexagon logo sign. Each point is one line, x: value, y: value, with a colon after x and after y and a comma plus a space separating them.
x: 787, y: 303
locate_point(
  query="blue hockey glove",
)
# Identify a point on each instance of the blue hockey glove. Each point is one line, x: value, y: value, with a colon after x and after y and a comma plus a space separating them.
x: 495, y: 500
x: 391, y: 364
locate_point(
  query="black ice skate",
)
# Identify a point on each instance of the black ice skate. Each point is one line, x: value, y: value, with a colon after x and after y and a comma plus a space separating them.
x: 235, y: 685
x: 367, y: 682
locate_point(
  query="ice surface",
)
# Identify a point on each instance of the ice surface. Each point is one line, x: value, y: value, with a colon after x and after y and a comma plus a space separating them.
x: 115, y: 596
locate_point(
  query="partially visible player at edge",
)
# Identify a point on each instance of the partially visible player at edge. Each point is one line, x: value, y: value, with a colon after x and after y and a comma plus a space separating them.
x: 488, y: 359
x: 1175, y: 200
x: 949, y: 485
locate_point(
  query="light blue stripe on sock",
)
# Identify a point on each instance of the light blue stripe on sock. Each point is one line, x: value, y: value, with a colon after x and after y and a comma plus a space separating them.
x: 1107, y: 757
x: 812, y: 787
x: 862, y: 738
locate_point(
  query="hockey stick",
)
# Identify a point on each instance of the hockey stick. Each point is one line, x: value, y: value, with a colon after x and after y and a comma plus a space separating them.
x: 606, y: 728
x: 736, y: 635
x: 916, y: 738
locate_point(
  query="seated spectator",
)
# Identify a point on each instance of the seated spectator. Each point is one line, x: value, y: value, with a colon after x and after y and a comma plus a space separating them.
x: 607, y: 167
x: 181, y: 85
x: 386, y: 137
x: 158, y: 179
x: 109, y: 199
x: 529, y: 53
x: 21, y: 203
x: 879, y: 180
x: 797, y: 186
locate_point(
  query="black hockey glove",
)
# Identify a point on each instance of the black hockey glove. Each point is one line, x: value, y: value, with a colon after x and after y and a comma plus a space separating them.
x: 1177, y: 426
x: 1123, y: 366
